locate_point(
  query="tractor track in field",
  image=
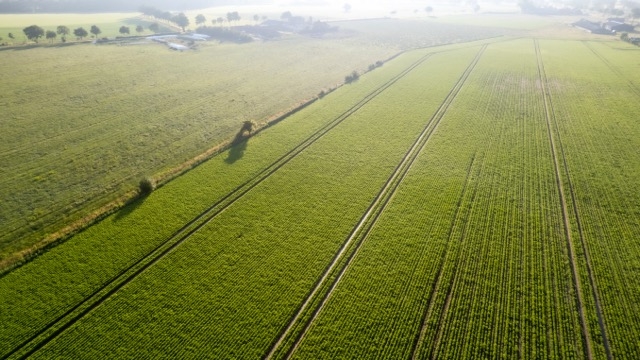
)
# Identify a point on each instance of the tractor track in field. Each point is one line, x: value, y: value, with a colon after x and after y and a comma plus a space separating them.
x: 419, y: 339
x: 330, y: 278
x: 559, y: 155
x: 613, y: 69
x: 96, y: 298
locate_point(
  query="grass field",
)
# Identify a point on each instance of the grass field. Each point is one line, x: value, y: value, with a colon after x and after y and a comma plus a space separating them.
x: 473, y: 200
x: 85, y: 124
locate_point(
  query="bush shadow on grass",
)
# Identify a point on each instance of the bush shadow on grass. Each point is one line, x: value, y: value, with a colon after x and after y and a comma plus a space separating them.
x: 238, y: 146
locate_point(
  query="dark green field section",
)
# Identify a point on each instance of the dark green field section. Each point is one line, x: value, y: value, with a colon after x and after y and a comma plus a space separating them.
x: 468, y: 201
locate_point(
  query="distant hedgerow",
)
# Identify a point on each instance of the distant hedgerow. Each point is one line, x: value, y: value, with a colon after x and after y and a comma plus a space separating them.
x: 351, y: 77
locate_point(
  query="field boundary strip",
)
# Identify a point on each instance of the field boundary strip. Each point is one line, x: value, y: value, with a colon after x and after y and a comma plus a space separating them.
x: 321, y: 293
x: 550, y: 117
x: 613, y: 69
x: 66, y: 320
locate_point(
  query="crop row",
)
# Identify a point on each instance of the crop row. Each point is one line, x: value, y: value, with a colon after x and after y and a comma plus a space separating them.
x: 599, y: 133
x: 317, y: 299
x: 469, y: 260
x: 229, y: 289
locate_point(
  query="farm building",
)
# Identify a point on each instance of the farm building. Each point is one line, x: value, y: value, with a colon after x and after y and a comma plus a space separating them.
x: 591, y: 26
x: 617, y: 26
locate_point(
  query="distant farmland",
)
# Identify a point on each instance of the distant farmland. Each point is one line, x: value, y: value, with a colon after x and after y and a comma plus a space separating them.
x: 83, y: 124
x: 466, y: 201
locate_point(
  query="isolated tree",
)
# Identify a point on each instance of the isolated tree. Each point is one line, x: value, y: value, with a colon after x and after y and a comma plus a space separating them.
x: 181, y: 20
x: 11, y: 36
x: 256, y: 17
x: 154, y: 27
x: 51, y: 35
x: 346, y: 7
x: 220, y: 20
x: 33, y: 32
x: 247, y: 126
x: 146, y: 186
x: 428, y: 9
x: 80, y: 33
x: 124, y: 30
x: 200, y: 19
x: 139, y: 29
x: 233, y: 16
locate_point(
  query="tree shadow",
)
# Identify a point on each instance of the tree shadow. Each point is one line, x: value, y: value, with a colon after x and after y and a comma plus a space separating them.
x: 238, y: 146
x: 129, y: 207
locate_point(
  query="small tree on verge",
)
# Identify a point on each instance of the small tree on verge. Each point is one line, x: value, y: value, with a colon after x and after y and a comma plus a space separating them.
x: 247, y: 126
x: 181, y: 20
x: 63, y: 30
x: 95, y: 30
x: 33, y: 32
x: 200, y: 19
x: 51, y: 35
x: 233, y: 16
x: 147, y: 185
x: 80, y: 33
x: 124, y: 30
x: 139, y: 29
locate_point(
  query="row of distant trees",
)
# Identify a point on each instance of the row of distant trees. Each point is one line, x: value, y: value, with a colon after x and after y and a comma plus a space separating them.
x: 182, y: 20
x: 35, y: 32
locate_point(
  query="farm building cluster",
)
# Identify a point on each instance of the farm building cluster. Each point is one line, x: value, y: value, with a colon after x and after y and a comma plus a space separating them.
x: 610, y: 27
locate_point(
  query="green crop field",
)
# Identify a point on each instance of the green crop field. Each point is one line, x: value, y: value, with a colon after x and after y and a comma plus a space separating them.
x: 83, y: 124
x: 476, y: 200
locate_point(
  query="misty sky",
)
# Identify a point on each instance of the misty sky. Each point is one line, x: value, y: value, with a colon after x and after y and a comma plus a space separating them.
x: 334, y: 9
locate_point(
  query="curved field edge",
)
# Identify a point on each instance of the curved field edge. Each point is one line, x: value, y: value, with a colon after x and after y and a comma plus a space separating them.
x: 256, y: 260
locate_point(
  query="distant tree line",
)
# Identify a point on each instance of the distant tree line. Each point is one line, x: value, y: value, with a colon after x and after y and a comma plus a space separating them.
x: 35, y: 33
x: 97, y: 6
x: 179, y: 19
